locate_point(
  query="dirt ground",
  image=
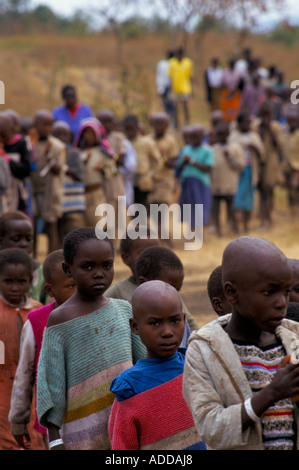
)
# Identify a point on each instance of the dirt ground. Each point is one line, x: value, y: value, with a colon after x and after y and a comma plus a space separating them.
x: 198, y: 264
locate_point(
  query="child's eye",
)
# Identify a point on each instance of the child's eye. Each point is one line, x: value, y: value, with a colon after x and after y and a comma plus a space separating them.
x: 108, y: 265
x: 287, y: 291
x: 154, y: 323
x: 87, y: 267
x: 269, y: 292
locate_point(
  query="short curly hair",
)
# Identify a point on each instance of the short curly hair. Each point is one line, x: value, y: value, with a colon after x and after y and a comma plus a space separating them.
x: 76, y: 237
x: 8, y: 216
x: 16, y: 256
x: 153, y: 259
x: 52, y: 260
x: 214, y: 285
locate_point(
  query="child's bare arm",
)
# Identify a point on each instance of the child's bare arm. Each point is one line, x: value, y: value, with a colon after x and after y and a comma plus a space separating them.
x: 55, y: 442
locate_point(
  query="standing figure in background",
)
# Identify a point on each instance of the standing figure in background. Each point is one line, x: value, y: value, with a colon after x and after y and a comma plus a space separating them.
x: 271, y: 172
x: 213, y: 80
x: 290, y: 147
x: 98, y: 167
x: 163, y: 85
x: 229, y: 164
x: 164, y: 179
x: 195, y: 166
x: 181, y: 75
x: 74, y: 204
x: 72, y: 112
x: 14, y: 150
x: 148, y: 160
x: 253, y: 155
x: 47, y: 181
x: 231, y: 92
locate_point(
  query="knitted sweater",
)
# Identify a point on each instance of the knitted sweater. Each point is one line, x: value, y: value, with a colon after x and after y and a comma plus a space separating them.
x: 78, y: 360
x: 149, y: 412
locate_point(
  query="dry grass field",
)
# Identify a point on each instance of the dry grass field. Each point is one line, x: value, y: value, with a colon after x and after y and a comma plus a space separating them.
x: 33, y: 69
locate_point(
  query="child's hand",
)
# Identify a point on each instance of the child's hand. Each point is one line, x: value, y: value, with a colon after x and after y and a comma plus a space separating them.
x: 56, y: 169
x: 23, y: 440
x: 187, y: 159
x: 285, y: 383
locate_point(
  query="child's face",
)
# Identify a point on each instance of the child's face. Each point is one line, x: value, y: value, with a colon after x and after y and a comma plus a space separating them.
x: 160, y: 126
x: 62, y: 287
x: 19, y: 234
x: 262, y: 297
x: 44, y: 126
x: 108, y: 122
x: 6, y: 130
x: 160, y: 326
x: 15, y: 282
x: 89, y: 137
x: 137, y: 247
x: 131, y: 130
x: 92, y: 268
x: 222, y: 136
x: 196, y: 138
x: 174, y: 277
x: 244, y: 125
x: 186, y: 137
x: 64, y: 135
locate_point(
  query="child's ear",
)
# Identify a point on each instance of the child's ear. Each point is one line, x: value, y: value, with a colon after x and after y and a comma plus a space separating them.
x: 66, y: 269
x: 125, y: 258
x: 230, y: 292
x: 141, y: 280
x: 216, y: 304
x: 134, y: 326
x: 48, y: 289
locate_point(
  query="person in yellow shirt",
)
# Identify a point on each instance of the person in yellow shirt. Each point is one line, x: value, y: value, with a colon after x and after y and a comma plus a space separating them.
x: 181, y: 77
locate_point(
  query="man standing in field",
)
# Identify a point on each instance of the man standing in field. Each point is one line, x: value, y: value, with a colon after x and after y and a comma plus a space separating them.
x: 181, y: 75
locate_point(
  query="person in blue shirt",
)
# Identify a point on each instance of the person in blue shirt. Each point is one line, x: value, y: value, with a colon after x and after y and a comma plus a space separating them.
x: 72, y: 112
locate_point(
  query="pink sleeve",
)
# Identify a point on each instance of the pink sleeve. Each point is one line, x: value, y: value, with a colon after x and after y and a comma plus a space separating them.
x: 122, y: 427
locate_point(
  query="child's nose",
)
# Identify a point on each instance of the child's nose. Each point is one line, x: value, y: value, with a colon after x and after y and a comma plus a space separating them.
x: 98, y: 273
x: 282, y: 300
x: 167, y: 330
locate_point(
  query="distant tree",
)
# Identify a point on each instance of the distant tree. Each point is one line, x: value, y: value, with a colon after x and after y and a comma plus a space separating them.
x: 14, y: 6
x: 185, y: 14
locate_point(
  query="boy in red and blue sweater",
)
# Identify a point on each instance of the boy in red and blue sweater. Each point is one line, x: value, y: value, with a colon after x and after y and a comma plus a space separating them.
x: 149, y: 411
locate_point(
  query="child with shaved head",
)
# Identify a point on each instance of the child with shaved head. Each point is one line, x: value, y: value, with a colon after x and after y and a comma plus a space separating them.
x: 149, y: 411
x: 241, y: 371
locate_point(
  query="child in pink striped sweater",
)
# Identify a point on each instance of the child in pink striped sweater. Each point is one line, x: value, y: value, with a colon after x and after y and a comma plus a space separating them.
x: 149, y: 411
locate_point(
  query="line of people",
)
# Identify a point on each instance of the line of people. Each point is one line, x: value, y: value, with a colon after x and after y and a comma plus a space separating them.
x: 123, y: 366
x: 59, y: 178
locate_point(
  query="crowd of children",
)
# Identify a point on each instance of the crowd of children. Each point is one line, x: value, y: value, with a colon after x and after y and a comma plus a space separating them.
x: 94, y: 364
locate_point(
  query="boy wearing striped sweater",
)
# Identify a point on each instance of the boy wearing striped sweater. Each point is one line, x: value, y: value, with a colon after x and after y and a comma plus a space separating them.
x: 149, y: 412
x: 241, y: 376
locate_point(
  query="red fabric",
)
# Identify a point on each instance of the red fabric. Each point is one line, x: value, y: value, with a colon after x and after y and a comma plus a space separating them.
x: 74, y: 109
x: 38, y: 319
x: 150, y: 416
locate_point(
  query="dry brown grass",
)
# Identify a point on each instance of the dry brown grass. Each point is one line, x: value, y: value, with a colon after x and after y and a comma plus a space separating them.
x: 35, y: 67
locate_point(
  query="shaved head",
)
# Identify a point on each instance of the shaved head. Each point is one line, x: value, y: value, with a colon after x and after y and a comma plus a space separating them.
x: 150, y: 294
x: 43, y: 115
x: 246, y: 255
